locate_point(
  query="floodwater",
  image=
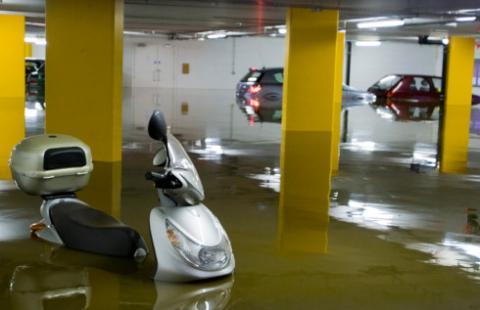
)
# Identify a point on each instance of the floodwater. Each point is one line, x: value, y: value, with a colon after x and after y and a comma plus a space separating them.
x: 395, y: 238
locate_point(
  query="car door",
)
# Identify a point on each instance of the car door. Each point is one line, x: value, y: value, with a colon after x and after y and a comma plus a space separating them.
x: 271, y: 82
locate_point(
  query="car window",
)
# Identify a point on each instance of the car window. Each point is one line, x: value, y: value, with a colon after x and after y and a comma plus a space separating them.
x: 437, y: 82
x: 252, y: 76
x: 419, y: 84
x: 273, y: 77
x: 387, y: 82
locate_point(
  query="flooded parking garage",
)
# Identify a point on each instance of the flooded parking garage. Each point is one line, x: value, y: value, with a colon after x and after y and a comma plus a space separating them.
x: 386, y: 243
x: 239, y: 154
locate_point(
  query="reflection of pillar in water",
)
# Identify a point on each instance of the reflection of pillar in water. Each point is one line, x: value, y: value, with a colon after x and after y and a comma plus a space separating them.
x: 105, y: 290
x: 103, y: 192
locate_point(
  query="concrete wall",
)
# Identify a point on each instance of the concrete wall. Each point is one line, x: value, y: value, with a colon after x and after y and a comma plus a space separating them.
x: 38, y: 51
x: 219, y: 64
x: 369, y: 64
x: 214, y: 64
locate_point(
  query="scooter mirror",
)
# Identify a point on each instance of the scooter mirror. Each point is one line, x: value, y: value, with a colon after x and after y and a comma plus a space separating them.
x: 161, y: 156
x: 157, y: 127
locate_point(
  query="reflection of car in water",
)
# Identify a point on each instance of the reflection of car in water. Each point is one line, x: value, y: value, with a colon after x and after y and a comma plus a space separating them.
x: 259, y: 94
x: 409, y: 97
x: 35, y: 80
x: 405, y: 111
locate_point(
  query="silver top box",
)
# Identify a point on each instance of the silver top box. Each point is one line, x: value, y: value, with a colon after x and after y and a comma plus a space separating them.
x: 51, y: 164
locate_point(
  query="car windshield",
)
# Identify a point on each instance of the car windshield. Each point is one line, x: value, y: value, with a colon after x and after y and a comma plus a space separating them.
x: 387, y: 82
x: 273, y: 77
x: 252, y: 76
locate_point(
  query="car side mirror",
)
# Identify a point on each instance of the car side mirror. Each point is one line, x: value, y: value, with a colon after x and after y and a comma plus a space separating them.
x: 157, y: 127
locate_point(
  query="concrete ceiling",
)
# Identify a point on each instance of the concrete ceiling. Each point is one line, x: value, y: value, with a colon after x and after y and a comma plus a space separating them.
x: 185, y: 17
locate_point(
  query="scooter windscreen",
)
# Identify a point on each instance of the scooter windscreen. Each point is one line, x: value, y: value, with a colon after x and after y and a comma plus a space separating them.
x: 181, y: 166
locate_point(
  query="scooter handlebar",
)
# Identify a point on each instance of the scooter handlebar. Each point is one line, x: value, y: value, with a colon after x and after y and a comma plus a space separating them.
x: 163, y: 180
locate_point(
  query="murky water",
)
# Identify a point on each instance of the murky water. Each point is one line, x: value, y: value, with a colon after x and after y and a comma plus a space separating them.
x: 395, y: 239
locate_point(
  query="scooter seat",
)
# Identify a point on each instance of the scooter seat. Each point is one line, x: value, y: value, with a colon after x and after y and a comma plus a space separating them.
x: 83, y: 228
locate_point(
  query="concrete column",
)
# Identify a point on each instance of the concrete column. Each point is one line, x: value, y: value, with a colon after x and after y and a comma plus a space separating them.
x: 458, y: 103
x: 337, y: 109
x: 307, y: 128
x: 84, y: 73
x: 28, y: 49
x: 12, y: 87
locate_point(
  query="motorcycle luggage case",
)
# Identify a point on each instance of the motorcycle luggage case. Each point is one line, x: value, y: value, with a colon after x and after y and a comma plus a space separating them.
x: 51, y: 164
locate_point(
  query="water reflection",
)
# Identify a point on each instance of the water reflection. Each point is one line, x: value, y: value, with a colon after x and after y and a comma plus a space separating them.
x: 403, y: 226
x: 424, y: 158
x: 42, y: 286
x: 193, y: 114
x: 195, y: 296
x: 304, y: 191
x: 472, y: 227
x: 406, y: 110
x: 103, y: 192
x: 269, y: 179
x: 34, y: 118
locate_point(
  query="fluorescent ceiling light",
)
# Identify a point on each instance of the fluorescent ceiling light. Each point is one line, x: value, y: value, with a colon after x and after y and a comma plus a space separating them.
x: 445, y: 41
x: 466, y: 19
x: 368, y: 43
x: 216, y: 36
x: 282, y: 30
x: 381, y: 23
x: 453, y: 24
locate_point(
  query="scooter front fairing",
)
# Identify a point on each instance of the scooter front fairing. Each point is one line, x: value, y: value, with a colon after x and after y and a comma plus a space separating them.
x: 189, y: 241
x: 189, y: 244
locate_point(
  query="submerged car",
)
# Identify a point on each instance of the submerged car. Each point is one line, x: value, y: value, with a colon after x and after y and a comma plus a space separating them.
x: 410, y: 97
x: 263, y: 89
x: 35, y: 80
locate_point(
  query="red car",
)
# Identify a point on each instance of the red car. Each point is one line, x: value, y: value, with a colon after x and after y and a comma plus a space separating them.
x: 404, y: 93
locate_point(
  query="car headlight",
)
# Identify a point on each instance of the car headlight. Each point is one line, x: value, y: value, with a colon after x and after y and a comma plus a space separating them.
x: 209, y: 258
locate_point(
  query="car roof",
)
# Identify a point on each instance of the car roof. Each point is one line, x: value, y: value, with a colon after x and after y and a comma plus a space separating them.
x: 415, y: 75
x: 267, y: 69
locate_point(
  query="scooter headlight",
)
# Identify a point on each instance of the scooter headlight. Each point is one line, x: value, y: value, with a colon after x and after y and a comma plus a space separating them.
x: 208, y: 258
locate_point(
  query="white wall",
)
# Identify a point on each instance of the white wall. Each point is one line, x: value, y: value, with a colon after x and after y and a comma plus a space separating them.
x: 214, y: 64
x: 38, y: 51
x: 220, y: 64
x: 369, y: 64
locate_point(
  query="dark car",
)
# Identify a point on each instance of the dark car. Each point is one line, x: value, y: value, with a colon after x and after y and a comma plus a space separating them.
x: 263, y: 89
x: 35, y: 80
x: 410, y: 97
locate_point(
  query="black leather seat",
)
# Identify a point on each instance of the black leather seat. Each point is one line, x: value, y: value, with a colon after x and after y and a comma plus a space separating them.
x: 83, y: 228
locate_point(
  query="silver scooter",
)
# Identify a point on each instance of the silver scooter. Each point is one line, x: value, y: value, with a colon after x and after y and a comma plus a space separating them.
x: 189, y: 241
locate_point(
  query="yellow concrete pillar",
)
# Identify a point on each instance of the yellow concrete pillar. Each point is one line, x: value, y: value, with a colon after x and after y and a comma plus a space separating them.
x: 307, y: 128
x: 337, y: 108
x: 84, y: 73
x: 458, y: 103
x: 12, y: 87
x: 105, y: 188
x: 28, y: 50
